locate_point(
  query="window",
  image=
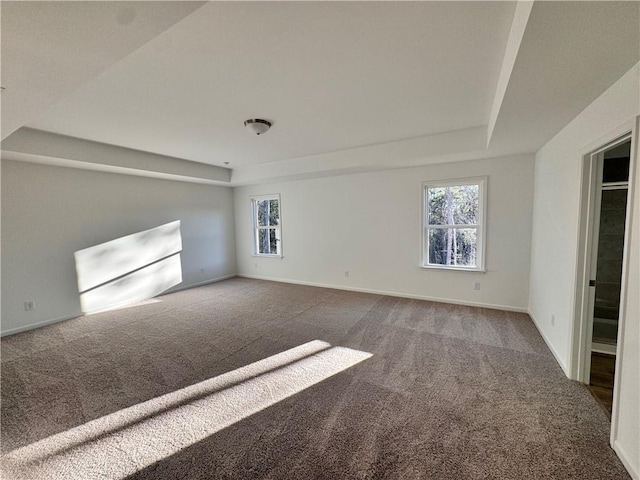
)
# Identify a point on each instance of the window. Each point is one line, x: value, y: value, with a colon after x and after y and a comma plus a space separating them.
x: 453, y: 224
x: 266, y: 225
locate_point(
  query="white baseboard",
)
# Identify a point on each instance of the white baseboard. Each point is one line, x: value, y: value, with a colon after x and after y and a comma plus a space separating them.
x: 31, y: 326
x: 388, y: 293
x: 624, y: 458
x: 550, y: 346
x: 44, y: 323
x: 179, y: 288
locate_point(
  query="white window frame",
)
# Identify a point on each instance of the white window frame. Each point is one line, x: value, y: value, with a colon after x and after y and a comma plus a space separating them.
x: 480, y: 226
x: 256, y: 228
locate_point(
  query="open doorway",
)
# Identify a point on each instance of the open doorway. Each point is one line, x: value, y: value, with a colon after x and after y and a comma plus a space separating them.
x: 606, y: 237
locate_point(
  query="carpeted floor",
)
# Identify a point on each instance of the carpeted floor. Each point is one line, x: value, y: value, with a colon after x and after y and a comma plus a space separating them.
x: 247, y: 379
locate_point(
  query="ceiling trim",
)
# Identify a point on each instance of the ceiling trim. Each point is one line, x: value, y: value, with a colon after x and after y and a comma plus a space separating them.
x: 518, y: 26
x: 40, y: 147
x: 36, y: 146
x: 62, y: 162
x: 453, y: 146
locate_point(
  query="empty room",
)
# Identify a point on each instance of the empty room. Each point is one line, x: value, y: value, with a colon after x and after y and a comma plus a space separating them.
x: 320, y: 240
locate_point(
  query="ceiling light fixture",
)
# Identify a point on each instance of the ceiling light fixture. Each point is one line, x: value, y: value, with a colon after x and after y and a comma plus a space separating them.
x: 257, y: 125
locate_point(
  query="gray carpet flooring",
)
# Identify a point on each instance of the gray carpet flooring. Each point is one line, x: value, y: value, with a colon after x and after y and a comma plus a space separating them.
x: 247, y: 379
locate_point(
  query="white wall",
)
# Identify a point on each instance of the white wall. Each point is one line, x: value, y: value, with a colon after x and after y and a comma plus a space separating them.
x: 556, y: 210
x: 555, y: 233
x: 370, y: 224
x: 49, y: 212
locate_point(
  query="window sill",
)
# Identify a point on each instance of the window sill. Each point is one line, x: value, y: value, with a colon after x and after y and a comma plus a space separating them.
x: 455, y: 269
x: 266, y: 256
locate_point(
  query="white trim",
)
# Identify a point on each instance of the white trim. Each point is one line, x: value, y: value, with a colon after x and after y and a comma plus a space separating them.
x: 577, y: 336
x: 550, y: 346
x: 626, y: 127
x: 455, y: 225
x: 624, y: 288
x: 180, y: 288
x: 604, y: 348
x: 615, y: 186
x: 453, y: 301
x: 624, y: 458
x: 577, y: 327
x: 98, y: 167
x: 48, y: 148
x: 255, y: 227
x: 32, y: 326
x: 596, y: 170
x: 453, y: 267
x: 454, y: 182
x: 265, y: 196
x: 480, y: 227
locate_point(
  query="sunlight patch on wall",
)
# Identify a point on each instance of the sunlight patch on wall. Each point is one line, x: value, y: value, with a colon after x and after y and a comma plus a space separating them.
x: 122, y: 443
x: 129, y: 269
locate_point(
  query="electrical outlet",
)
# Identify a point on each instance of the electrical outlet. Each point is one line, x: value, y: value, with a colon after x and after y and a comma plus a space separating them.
x: 255, y: 265
x: 346, y: 273
x: 202, y: 270
x: 476, y: 285
x: 29, y: 305
x: 553, y: 320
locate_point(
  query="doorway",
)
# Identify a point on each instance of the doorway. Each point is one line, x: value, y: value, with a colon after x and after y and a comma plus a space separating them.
x: 610, y: 187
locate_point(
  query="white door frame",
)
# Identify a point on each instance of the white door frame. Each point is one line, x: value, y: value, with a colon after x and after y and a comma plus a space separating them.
x: 579, y: 368
x: 587, y: 252
x: 596, y: 161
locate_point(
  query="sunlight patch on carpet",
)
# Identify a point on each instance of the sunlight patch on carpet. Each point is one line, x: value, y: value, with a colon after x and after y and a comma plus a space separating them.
x: 124, y: 442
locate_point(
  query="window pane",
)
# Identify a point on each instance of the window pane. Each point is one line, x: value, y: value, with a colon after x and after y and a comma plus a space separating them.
x: 274, y: 212
x: 262, y: 210
x: 465, y: 204
x: 437, y: 208
x: 268, y: 241
x: 263, y: 241
x: 273, y: 241
x: 453, y: 205
x: 453, y: 246
x: 616, y: 163
x: 615, y: 170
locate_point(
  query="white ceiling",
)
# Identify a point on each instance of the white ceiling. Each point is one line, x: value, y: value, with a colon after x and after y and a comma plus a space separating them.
x: 50, y: 49
x: 571, y: 53
x: 330, y: 76
x: 349, y: 86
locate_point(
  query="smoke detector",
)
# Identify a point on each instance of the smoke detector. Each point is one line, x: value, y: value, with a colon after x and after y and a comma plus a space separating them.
x: 257, y: 125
